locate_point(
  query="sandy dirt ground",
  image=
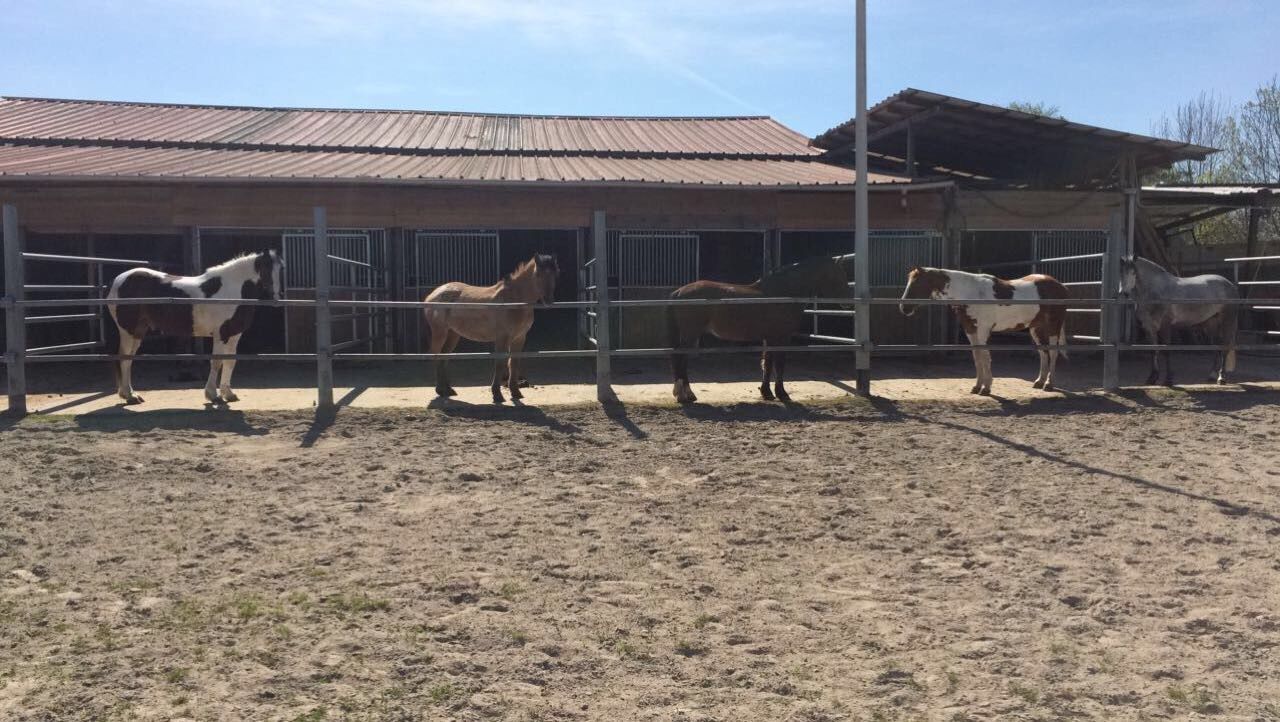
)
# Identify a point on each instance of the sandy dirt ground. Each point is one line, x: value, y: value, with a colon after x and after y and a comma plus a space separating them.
x: 1095, y: 557
x: 88, y: 388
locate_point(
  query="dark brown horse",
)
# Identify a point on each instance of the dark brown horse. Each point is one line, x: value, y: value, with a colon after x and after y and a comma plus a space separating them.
x: 769, y: 323
x: 533, y: 282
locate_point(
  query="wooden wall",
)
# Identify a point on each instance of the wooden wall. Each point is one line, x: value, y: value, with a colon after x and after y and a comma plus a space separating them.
x: 131, y: 207
x: 166, y: 208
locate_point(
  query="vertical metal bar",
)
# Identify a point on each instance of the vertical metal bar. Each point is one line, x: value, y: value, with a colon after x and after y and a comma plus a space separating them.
x: 604, y: 376
x: 15, y: 322
x: 862, y: 261
x: 324, y: 326
x: 1111, y: 332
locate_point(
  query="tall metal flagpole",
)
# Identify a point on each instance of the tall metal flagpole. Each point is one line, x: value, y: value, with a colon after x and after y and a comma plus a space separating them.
x: 862, y: 261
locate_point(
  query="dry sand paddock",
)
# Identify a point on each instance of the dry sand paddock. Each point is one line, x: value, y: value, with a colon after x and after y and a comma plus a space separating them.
x: 1029, y: 557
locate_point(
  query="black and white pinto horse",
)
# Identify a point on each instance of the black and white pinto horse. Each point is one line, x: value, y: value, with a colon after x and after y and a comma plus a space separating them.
x: 252, y: 276
x: 1166, y: 302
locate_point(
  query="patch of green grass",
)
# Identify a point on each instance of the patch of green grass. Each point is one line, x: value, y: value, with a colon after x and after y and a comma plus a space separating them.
x: 441, y: 693
x: 689, y: 648
x: 510, y: 591
x: 177, y: 675
x: 627, y: 650
x: 953, y: 681
x: 184, y: 614
x: 299, y: 598
x: 356, y: 603
x: 132, y: 585
x: 282, y: 631
x: 518, y: 637
x: 248, y: 607
x: 315, y: 715
x: 106, y: 638
x: 703, y: 620
x: 1028, y: 695
x: 802, y: 674
x: 1198, y: 698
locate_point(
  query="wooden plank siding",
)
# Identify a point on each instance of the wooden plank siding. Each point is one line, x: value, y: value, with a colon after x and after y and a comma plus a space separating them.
x: 172, y: 208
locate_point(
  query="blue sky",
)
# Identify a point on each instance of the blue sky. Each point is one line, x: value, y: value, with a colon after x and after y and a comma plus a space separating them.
x: 1116, y: 63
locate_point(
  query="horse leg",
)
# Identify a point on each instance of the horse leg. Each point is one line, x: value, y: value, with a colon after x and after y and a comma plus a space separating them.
x: 1043, y: 375
x: 211, y: 386
x: 981, y: 362
x: 678, y: 337
x: 1166, y: 337
x: 1057, y: 339
x: 513, y: 369
x: 124, y: 382
x: 1227, y: 333
x: 438, y: 338
x: 443, y: 385
x: 499, y: 345
x: 1153, y: 337
x: 766, y: 370
x: 779, y: 366
x: 228, y: 367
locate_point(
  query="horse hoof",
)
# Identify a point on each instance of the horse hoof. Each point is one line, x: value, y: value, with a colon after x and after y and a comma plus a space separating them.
x: 1152, y: 379
x: 229, y: 398
x: 441, y: 391
x: 766, y: 394
x: 783, y: 396
x: 1049, y: 387
x: 133, y: 400
x: 515, y: 394
x: 975, y: 390
x: 1040, y: 385
x: 984, y: 392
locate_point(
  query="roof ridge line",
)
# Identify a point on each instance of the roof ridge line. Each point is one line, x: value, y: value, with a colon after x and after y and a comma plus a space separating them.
x: 376, y: 150
x: 403, y: 111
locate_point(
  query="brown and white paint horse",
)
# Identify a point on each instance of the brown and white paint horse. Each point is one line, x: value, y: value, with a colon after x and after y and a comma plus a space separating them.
x: 1046, y: 323
x: 252, y: 276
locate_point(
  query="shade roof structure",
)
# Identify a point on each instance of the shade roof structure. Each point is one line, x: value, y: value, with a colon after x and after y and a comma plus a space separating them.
x: 1170, y: 207
x: 45, y: 140
x: 986, y: 143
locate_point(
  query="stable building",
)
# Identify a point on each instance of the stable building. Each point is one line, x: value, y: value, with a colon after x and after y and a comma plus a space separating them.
x: 417, y: 198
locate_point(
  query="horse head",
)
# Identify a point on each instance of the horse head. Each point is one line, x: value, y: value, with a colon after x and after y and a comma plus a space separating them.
x: 1128, y: 276
x: 546, y: 269
x: 269, y: 267
x: 923, y: 283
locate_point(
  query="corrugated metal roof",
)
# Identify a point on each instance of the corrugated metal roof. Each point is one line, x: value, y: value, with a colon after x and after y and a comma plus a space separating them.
x: 102, y: 122
x: 968, y: 138
x: 63, y: 162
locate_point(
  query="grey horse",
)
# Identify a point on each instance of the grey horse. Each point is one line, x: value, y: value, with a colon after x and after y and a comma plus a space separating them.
x: 1166, y: 302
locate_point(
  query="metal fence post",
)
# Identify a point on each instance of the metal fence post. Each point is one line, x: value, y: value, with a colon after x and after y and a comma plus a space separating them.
x: 324, y: 327
x: 15, y: 321
x: 604, y: 373
x: 861, y: 244
x: 1111, y: 332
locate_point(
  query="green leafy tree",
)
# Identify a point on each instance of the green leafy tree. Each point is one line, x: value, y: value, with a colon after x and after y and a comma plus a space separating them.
x: 1038, y: 107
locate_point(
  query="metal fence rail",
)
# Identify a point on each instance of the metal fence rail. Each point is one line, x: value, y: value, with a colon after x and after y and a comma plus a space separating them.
x: 595, y: 305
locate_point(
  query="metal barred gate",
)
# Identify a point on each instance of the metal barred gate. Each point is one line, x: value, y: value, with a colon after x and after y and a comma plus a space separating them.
x: 358, y: 270
x: 646, y: 264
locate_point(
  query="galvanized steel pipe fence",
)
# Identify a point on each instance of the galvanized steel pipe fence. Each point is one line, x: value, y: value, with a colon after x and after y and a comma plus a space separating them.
x: 17, y: 356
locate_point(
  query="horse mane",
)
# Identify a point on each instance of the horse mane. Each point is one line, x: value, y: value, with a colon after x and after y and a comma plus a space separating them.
x: 797, y: 279
x: 234, y: 262
x: 524, y: 266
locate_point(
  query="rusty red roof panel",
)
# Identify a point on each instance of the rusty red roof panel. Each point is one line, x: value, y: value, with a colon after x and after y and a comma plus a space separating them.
x: 33, y: 119
x: 63, y: 162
